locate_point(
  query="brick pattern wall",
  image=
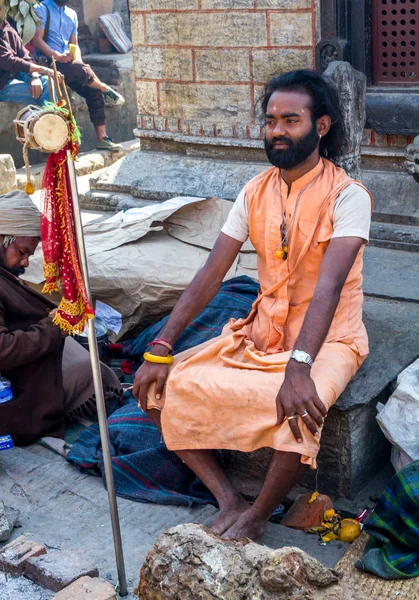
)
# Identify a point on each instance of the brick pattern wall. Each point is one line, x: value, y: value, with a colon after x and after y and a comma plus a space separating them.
x: 384, y: 140
x: 200, y: 65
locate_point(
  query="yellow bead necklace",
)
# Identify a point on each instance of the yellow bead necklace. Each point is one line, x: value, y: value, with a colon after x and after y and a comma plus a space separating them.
x: 282, y: 248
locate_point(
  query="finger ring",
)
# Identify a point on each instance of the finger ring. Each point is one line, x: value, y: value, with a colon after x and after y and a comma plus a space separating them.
x: 292, y: 417
x: 305, y: 414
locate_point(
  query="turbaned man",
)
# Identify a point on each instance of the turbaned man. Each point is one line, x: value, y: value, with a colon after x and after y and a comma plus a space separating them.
x: 50, y: 373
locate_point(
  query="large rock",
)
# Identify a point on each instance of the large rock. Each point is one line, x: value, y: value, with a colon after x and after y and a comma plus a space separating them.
x: 190, y: 562
x: 351, y: 86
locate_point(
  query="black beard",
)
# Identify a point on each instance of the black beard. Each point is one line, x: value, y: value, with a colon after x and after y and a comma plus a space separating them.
x: 16, y: 271
x: 295, y: 154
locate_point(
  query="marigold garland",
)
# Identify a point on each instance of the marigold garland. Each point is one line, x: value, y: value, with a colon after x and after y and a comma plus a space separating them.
x: 61, y: 261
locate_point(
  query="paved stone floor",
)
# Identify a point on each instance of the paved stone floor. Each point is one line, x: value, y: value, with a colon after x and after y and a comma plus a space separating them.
x: 65, y: 509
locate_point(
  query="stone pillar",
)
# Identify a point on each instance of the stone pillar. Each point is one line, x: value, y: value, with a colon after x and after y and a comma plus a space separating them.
x: 200, y: 65
x: 351, y: 86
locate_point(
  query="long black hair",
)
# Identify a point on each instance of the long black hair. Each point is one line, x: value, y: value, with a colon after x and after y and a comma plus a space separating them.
x: 324, y: 101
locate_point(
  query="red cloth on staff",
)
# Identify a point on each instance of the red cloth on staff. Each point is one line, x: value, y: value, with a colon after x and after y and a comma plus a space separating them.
x: 61, y: 261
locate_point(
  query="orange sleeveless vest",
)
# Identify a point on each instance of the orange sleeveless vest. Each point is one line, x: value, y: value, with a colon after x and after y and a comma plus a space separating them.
x: 287, y: 286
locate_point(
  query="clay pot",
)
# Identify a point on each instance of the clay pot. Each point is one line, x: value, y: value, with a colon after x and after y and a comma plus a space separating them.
x: 105, y: 47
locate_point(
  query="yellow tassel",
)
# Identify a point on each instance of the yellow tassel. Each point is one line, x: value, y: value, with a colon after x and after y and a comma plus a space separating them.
x: 29, y: 188
x: 280, y: 253
x: 50, y: 287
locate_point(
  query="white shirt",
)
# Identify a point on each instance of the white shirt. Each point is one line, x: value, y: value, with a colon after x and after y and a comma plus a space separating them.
x: 351, y: 215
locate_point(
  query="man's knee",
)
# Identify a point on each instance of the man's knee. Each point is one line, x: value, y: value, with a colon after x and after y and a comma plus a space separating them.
x: 78, y: 73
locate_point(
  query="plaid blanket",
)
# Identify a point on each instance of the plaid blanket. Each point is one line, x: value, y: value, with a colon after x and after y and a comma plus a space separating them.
x: 393, y: 549
x: 144, y: 470
x: 234, y: 300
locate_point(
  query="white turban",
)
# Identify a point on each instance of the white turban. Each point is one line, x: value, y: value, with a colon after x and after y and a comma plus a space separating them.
x: 19, y: 217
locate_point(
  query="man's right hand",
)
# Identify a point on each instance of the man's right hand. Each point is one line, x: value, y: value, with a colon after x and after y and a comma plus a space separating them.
x: 35, y: 88
x: 147, y: 374
x: 63, y: 57
x: 50, y: 72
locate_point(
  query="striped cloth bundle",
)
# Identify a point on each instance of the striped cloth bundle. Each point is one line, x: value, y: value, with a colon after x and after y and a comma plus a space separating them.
x: 113, y: 27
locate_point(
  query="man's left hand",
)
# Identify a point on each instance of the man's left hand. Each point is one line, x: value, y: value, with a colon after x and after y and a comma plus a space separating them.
x: 298, y: 396
x: 35, y: 88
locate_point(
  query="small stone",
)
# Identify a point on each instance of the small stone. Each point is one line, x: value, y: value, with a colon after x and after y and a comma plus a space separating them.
x: 14, y: 556
x: 8, y: 520
x: 87, y: 588
x: 304, y: 514
x: 58, y: 569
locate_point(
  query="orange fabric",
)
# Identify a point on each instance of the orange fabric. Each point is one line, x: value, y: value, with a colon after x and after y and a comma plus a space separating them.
x: 221, y: 395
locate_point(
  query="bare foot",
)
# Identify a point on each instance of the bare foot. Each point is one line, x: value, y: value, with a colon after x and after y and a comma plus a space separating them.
x: 246, y: 526
x: 229, y: 515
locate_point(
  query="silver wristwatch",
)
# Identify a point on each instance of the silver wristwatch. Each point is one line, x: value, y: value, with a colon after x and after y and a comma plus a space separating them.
x: 302, y: 357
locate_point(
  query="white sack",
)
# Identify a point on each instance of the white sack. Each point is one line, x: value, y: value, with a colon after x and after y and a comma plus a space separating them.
x: 399, y: 419
x: 141, y: 270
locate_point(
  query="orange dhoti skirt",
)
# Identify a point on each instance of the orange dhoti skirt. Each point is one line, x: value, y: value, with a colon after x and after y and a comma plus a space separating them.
x: 221, y: 395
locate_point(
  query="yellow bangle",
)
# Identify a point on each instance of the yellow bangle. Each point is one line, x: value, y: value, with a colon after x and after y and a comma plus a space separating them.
x: 163, y: 360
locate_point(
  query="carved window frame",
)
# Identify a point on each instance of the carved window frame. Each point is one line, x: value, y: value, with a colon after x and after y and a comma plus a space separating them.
x: 345, y: 30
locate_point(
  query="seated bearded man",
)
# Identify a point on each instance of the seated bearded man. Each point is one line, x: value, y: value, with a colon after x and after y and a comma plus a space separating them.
x: 50, y: 373
x: 270, y: 379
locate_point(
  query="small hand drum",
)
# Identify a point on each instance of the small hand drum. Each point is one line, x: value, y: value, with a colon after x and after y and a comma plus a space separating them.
x: 43, y: 130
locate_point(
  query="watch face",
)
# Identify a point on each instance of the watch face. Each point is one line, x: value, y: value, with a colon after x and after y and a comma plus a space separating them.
x: 301, y: 356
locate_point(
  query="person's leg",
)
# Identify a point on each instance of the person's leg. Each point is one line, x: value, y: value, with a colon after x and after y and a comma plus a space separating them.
x: 207, y: 468
x: 45, y: 96
x: 284, y: 471
x: 83, y: 74
x: 96, y: 105
x: 79, y: 393
x: 17, y: 91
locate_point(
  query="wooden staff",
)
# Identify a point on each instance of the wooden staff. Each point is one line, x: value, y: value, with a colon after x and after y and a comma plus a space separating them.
x: 98, y: 387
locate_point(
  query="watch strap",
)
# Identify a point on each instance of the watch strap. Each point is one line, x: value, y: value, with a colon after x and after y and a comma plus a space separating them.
x: 302, y: 357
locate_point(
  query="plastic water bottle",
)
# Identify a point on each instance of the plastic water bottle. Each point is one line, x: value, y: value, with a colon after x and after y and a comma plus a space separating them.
x: 6, y: 392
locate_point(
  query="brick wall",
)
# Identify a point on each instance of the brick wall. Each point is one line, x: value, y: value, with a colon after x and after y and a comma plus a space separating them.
x: 200, y: 65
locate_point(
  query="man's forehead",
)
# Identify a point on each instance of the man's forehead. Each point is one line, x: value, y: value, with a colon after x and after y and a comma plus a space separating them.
x: 28, y: 243
x: 289, y: 101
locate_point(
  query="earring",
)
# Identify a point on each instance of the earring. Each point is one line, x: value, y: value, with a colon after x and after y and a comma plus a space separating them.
x: 320, y: 136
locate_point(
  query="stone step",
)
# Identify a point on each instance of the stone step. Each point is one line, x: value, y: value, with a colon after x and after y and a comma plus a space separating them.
x: 110, y: 201
x: 391, y: 274
x: 395, y: 196
x: 156, y: 175
x: 394, y: 236
x: 87, y: 163
x: 160, y: 176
